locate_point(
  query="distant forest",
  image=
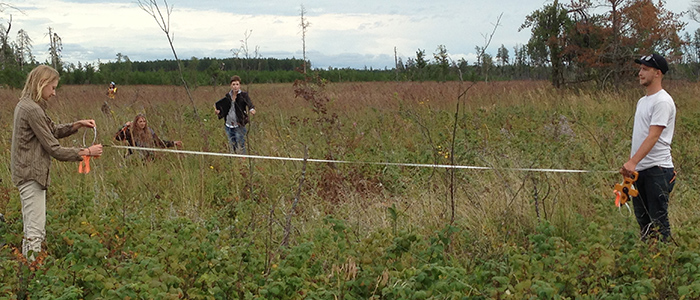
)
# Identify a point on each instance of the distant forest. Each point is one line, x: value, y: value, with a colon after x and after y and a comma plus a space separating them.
x: 522, y: 64
x: 212, y: 71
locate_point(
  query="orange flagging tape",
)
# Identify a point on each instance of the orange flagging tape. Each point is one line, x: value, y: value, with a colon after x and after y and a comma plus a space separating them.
x: 84, y: 166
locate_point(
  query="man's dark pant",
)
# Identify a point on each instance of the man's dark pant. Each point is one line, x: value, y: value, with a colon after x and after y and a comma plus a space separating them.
x: 651, y: 206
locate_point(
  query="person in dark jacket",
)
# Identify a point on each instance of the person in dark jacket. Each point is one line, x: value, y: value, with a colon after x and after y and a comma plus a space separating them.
x: 138, y: 134
x: 233, y: 108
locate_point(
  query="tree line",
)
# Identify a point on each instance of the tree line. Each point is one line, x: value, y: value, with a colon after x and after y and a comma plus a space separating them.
x: 571, y: 43
x: 587, y: 40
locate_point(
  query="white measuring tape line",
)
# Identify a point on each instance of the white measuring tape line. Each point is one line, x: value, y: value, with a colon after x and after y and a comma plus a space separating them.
x: 441, y: 166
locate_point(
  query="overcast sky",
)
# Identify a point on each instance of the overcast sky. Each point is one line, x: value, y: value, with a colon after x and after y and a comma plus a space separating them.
x: 355, y: 34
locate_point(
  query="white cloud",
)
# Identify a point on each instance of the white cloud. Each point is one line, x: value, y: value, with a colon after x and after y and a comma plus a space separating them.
x: 341, y: 34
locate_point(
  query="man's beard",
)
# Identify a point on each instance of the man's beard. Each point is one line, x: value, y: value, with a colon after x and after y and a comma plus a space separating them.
x: 645, y: 82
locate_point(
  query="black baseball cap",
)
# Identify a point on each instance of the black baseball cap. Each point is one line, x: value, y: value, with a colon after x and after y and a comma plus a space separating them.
x: 654, y: 61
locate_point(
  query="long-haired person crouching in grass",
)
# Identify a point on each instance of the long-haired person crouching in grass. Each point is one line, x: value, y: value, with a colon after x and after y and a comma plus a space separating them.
x: 34, y: 142
x: 138, y: 134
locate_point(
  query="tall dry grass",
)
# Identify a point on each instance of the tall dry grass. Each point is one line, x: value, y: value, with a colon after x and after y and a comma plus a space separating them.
x: 501, y: 125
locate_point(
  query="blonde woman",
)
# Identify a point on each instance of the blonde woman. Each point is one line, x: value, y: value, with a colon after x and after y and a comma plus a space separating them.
x: 34, y: 142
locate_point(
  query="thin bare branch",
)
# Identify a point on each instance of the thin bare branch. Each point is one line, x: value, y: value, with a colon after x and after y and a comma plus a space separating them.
x: 452, y: 151
x: 5, y: 6
x: 151, y: 7
x: 695, y: 10
x: 487, y: 39
x: 487, y: 42
x: 288, y: 226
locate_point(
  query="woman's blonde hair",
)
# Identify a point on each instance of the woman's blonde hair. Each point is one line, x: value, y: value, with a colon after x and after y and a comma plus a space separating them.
x: 37, y: 79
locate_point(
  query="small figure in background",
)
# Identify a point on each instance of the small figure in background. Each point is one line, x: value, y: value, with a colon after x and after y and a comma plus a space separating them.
x: 112, y: 90
x: 138, y: 134
x: 111, y: 93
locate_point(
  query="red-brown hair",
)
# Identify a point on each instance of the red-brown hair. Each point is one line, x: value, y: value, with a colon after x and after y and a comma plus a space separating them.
x: 141, y: 137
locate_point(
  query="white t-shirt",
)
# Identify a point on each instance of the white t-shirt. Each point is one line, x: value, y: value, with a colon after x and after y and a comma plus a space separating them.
x: 657, y: 109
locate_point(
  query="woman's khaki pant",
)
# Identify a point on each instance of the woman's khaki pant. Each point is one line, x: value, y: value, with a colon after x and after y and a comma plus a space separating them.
x: 33, y: 197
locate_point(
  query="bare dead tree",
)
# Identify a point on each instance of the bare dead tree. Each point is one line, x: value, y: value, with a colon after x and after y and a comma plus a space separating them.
x: 244, y: 56
x: 24, y: 48
x: 396, y: 64
x: 695, y: 10
x: 5, y: 6
x: 55, y: 48
x: 9, y: 53
x: 288, y: 226
x: 482, y: 50
x: 5, y: 52
x: 6, y: 33
x: 151, y: 7
x: 304, y: 24
x: 462, y: 97
x: 243, y: 52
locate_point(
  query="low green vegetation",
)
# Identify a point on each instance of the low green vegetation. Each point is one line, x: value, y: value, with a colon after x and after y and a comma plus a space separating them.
x: 209, y: 227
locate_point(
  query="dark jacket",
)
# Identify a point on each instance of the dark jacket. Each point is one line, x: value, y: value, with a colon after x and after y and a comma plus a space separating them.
x: 242, y: 105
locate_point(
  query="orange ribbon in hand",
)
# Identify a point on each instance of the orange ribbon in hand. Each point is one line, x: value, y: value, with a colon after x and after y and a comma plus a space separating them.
x: 84, y: 166
x: 625, y: 190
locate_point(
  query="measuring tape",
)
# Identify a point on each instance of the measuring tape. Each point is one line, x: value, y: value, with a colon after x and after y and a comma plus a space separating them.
x: 623, y: 191
x: 440, y: 166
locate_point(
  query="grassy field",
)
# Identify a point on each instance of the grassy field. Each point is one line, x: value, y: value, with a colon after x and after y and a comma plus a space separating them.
x: 211, y: 227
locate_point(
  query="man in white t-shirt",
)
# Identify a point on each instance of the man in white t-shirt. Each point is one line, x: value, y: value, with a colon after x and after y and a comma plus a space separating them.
x: 654, y: 122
